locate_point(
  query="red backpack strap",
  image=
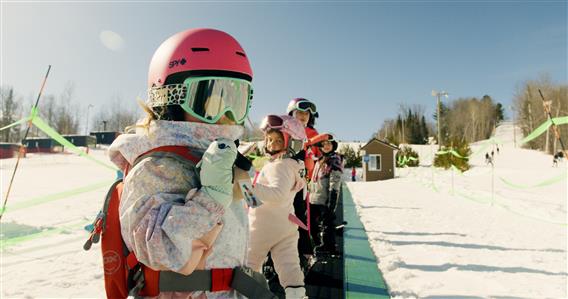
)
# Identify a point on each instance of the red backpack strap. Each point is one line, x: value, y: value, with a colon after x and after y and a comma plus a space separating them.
x: 179, y: 150
x: 182, y: 151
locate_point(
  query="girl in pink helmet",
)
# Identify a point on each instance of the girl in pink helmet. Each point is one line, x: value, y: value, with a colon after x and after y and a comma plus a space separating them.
x: 176, y: 215
x: 277, y: 184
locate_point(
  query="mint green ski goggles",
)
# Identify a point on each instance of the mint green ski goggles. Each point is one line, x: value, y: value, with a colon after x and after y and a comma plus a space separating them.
x: 206, y: 98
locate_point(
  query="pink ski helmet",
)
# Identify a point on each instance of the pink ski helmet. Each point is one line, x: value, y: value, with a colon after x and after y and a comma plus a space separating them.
x: 292, y: 129
x: 198, y: 50
x: 202, y: 72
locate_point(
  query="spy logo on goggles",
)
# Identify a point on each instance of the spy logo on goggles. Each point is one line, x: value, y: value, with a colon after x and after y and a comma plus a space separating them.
x: 206, y: 98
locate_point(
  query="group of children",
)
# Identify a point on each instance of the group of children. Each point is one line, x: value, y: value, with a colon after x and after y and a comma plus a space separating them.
x: 187, y: 216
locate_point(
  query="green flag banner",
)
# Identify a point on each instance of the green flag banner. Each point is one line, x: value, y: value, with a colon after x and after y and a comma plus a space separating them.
x: 56, y: 196
x: 403, y: 160
x: 544, y: 126
x: 40, y: 124
x: 451, y: 151
x: 5, y: 243
x: 23, y: 120
x: 457, y: 169
x: 541, y: 129
x: 547, y: 182
x: 487, y: 200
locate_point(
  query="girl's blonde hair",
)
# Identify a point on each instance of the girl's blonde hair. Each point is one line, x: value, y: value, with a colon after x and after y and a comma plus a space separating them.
x: 170, y: 113
x: 145, y: 124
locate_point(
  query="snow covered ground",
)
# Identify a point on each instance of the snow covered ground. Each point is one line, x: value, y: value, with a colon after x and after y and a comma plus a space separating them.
x: 430, y: 242
x: 435, y: 241
x: 41, y: 250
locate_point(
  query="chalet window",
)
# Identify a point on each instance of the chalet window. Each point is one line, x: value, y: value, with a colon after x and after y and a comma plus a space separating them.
x: 375, y: 162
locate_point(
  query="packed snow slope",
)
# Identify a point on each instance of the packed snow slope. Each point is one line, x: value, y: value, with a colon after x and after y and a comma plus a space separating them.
x: 442, y: 234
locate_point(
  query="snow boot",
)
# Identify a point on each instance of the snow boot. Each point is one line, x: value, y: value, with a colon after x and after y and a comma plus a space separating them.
x: 295, y: 293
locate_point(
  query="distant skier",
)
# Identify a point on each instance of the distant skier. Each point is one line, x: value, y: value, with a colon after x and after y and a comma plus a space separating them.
x: 557, y: 157
x: 353, y: 174
x: 487, y: 158
x: 497, y: 150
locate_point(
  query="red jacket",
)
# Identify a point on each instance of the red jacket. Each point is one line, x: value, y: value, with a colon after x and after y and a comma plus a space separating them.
x: 312, y: 152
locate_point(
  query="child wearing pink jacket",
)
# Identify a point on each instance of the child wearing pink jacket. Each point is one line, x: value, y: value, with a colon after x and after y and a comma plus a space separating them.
x: 277, y: 184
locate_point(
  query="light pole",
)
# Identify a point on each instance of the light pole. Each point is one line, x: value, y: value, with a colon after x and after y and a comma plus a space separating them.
x: 87, y: 124
x: 438, y: 116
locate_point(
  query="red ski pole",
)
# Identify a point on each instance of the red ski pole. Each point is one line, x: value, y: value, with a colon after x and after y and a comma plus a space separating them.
x: 22, y: 147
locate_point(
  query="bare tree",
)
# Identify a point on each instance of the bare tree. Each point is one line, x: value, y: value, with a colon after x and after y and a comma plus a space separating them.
x: 11, y: 112
x: 472, y: 119
x: 531, y: 113
x: 116, y: 115
x: 66, y: 120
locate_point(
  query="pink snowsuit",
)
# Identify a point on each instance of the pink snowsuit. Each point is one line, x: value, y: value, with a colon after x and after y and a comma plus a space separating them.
x: 270, y: 229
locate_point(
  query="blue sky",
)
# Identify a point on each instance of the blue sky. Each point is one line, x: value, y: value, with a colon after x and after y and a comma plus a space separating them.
x: 357, y: 61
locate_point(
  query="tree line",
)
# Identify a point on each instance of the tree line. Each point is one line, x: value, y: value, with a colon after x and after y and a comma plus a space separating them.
x: 409, y: 127
x: 470, y: 119
x: 64, y: 113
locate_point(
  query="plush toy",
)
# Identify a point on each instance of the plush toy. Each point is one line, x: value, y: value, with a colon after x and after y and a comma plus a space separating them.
x: 216, y: 170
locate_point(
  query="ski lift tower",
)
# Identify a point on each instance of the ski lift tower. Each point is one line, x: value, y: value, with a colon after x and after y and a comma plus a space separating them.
x: 438, y: 95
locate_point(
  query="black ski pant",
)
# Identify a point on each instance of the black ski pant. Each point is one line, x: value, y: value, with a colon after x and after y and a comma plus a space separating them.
x: 322, y: 218
x: 304, y: 241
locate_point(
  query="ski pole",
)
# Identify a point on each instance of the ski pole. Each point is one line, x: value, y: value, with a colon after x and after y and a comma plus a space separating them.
x: 22, y: 148
x: 546, y: 106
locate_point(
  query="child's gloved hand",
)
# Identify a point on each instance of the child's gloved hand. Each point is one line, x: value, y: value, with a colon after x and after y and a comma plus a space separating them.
x: 216, y: 170
x: 299, y: 178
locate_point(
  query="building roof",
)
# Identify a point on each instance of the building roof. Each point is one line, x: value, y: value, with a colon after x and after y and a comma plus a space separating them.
x: 393, y: 147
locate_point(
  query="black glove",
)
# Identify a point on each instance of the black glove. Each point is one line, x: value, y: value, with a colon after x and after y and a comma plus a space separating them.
x: 241, y: 161
x: 300, y: 156
x: 332, y: 202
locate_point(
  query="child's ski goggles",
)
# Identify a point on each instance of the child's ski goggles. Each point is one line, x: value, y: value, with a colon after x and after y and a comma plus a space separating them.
x: 272, y: 122
x: 305, y: 106
x: 321, y: 139
x: 324, y: 142
x: 206, y: 98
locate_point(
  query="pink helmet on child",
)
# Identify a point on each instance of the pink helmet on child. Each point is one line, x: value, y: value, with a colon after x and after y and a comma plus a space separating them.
x: 291, y: 128
x: 204, y: 71
x: 197, y: 50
